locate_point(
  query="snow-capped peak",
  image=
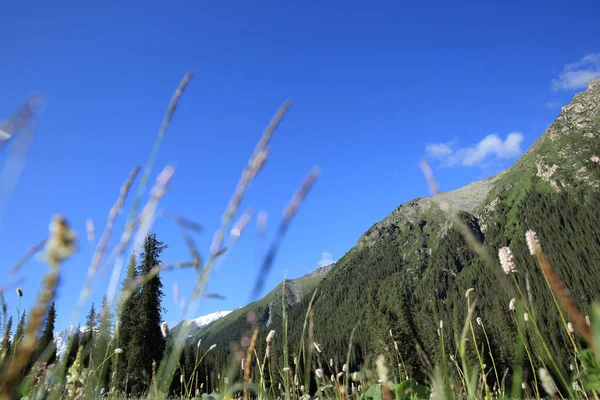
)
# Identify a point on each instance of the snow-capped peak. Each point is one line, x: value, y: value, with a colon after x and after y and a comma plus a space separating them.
x: 206, y: 319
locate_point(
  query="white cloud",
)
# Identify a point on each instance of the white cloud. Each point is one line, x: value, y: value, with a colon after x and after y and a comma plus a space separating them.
x: 489, y: 147
x: 553, y: 104
x: 577, y: 75
x: 326, y: 259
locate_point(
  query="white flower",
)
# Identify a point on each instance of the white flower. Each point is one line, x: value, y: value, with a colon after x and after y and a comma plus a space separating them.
x: 199, y: 342
x: 317, y: 346
x: 319, y: 373
x: 507, y: 260
x: 576, y: 387
x: 212, y: 347
x: 571, y: 367
x: 532, y: 242
x: 392, y: 336
x: 355, y: 376
x: 511, y: 304
x: 441, y: 324
x: 331, y: 362
x: 570, y: 327
x: 478, y: 321
x: 526, y: 317
x: 164, y: 329
x: 118, y: 351
x: 468, y: 292
x: 587, y: 320
x: 243, y: 359
x: 332, y: 378
x: 523, y: 385
x: 286, y: 369
x: 270, y: 336
x: 344, y: 367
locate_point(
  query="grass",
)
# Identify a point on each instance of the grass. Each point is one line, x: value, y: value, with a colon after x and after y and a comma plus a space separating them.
x: 310, y: 374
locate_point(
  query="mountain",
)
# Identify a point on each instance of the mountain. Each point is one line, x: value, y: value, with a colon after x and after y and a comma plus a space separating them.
x: 411, y: 270
x: 266, y: 310
x: 61, y: 338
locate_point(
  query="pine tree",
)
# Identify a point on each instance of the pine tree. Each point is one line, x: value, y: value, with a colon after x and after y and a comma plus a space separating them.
x: 6, y: 341
x: 47, y: 338
x: 147, y: 342
x: 20, y: 330
x: 74, y: 342
x: 126, y: 326
x: 88, y: 337
x: 101, y: 348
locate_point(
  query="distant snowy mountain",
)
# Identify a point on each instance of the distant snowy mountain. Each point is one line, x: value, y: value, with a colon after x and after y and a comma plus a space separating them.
x: 206, y: 319
x: 62, y: 339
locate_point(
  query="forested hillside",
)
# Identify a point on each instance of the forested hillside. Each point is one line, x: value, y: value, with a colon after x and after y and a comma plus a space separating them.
x: 411, y: 270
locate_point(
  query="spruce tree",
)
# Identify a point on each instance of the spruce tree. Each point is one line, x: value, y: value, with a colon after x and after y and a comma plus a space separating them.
x: 74, y: 342
x: 20, y: 330
x: 147, y: 342
x: 126, y: 326
x: 47, y: 338
x: 88, y: 337
x: 6, y: 341
x: 101, y: 345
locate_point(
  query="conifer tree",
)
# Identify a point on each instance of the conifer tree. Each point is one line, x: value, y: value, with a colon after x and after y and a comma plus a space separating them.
x: 88, y: 337
x: 101, y: 346
x: 47, y: 338
x: 74, y: 342
x: 6, y: 341
x: 20, y: 330
x: 147, y: 342
x: 126, y: 325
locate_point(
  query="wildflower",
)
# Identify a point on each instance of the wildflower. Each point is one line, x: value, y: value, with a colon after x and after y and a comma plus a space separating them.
x: 478, y: 321
x: 19, y: 292
x: 392, y: 336
x: 340, y: 374
x: 438, y: 331
x: 319, y: 373
x: 526, y: 317
x: 468, y: 292
x: 164, y: 328
x: 547, y: 381
x: 441, y: 324
x: 451, y: 357
x: 243, y: 359
x: 507, y: 260
x: 302, y: 388
x: 396, y: 345
x: 279, y: 386
x: 199, y: 342
x: 118, y: 351
x: 286, y: 369
x: 212, y: 347
x: 571, y: 367
x: 359, y: 388
x: 317, y: 347
x: 296, y: 382
x: 270, y: 336
x: 295, y: 360
x: 570, y: 327
x: 587, y: 320
x: 511, y: 304
x: 344, y: 367
x: 576, y: 387
x: 523, y: 385
x: 331, y: 362
x: 382, y: 371
x: 181, y: 378
x: 355, y: 376
x: 532, y: 242
x: 332, y: 378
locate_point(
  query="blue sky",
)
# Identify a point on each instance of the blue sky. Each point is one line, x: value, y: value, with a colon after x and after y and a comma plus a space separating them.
x: 375, y: 86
